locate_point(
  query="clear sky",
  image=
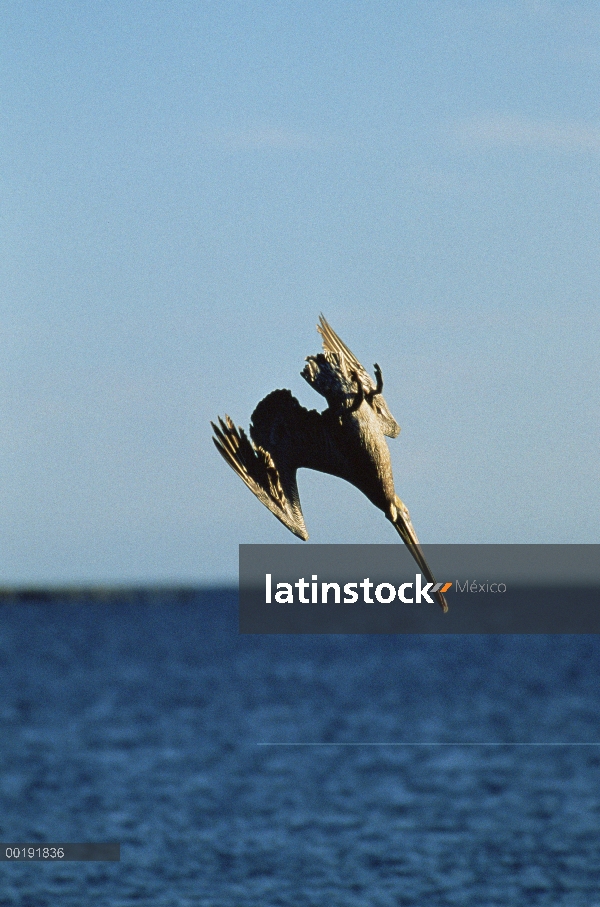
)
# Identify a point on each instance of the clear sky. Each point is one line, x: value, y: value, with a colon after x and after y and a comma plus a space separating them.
x: 187, y: 185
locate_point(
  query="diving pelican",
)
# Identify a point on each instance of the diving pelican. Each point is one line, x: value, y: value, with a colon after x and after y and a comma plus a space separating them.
x: 345, y: 440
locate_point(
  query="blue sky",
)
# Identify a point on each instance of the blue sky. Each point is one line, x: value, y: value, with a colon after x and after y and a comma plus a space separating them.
x: 187, y: 185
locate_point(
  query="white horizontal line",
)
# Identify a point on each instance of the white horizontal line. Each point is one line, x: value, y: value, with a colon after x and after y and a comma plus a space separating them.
x: 559, y: 743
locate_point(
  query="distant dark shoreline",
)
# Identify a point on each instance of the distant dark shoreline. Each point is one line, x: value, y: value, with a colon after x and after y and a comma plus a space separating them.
x: 108, y: 594
x: 532, y: 609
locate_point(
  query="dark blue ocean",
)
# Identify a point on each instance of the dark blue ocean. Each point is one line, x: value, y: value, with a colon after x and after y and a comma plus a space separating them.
x: 141, y: 719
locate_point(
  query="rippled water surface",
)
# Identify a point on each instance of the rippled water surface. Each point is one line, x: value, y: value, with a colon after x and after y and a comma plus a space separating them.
x: 143, y: 720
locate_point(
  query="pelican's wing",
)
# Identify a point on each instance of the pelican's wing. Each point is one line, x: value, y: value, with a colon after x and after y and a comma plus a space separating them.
x: 256, y: 468
x: 285, y: 437
x: 333, y: 344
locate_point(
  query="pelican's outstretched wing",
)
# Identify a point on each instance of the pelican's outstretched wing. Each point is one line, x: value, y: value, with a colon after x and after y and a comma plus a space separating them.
x: 349, y: 366
x: 256, y: 468
x: 333, y: 344
x: 285, y: 436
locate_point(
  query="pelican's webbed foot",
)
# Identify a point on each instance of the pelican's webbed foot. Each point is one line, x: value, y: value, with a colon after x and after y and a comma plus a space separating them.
x: 360, y: 394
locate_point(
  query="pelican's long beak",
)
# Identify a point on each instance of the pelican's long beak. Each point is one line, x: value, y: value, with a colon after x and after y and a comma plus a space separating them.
x: 405, y: 529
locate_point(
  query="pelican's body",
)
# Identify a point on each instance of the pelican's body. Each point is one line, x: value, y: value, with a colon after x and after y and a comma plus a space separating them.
x: 346, y: 440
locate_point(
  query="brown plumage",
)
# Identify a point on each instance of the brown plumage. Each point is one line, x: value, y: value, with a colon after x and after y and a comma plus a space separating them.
x: 345, y: 440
